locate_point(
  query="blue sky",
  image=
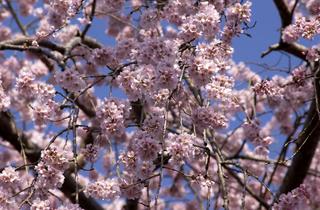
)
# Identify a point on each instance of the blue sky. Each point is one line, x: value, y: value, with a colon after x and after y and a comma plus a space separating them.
x: 265, y: 32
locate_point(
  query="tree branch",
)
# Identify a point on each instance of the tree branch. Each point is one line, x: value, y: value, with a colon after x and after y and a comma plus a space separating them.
x: 10, y: 133
x: 295, y: 49
x: 306, y: 147
x: 252, y: 193
x: 284, y: 12
x: 16, y: 18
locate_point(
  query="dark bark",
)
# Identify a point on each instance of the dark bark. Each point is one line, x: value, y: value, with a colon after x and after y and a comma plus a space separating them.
x: 284, y: 12
x: 306, y: 145
x: 131, y: 205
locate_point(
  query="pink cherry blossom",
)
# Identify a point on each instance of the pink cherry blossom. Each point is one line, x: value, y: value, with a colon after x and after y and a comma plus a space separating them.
x: 114, y: 104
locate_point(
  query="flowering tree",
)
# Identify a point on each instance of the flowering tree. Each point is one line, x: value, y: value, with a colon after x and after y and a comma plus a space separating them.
x: 161, y: 119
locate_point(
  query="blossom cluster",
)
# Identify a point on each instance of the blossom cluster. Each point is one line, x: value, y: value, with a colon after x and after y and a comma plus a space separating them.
x: 104, y: 189
x: 296, y: 199
x: 51, y: 168
x: 306, y: 28
x: 112, y: 114
x: 165, y: 112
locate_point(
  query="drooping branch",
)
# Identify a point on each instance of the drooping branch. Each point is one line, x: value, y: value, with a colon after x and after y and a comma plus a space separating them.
x: 10, y: 133
x: 254, y: 195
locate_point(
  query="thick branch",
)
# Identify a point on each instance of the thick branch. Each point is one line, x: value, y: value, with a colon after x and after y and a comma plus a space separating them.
x: 284, y: 12
x: 306, y: 146
x: 286, y: 16
x: 87, y: 27
x: 27, y: 41
x: 295, y: 49
x: 69, y: 188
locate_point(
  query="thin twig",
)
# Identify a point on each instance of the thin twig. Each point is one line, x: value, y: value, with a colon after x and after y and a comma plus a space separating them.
x: 16, y: 18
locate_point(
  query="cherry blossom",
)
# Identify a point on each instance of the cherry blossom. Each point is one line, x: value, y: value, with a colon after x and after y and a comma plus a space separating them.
x: 113, y: 104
